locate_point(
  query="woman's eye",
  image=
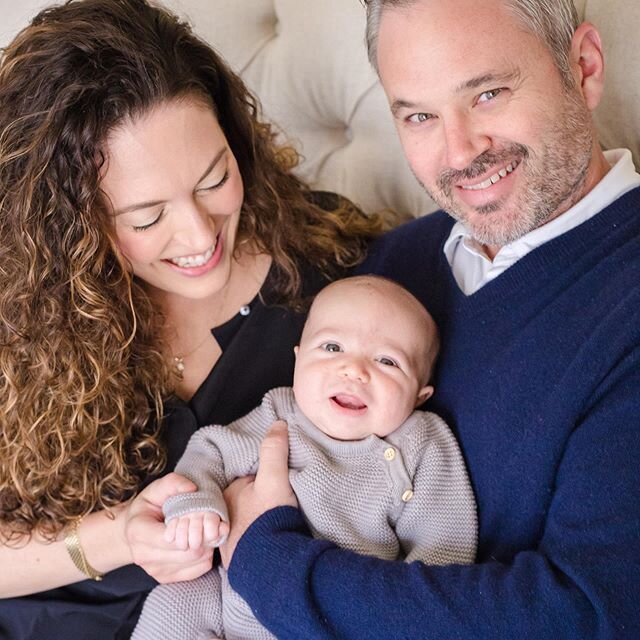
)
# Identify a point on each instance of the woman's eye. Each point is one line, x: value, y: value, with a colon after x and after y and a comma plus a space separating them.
x: 144, y: 227
x: 332, y: 347
x: 489, y: 95
x: 215, y: 186
x: 387, y: 362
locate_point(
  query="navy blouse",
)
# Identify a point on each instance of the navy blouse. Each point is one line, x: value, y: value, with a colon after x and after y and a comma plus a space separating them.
x: 257, y: 355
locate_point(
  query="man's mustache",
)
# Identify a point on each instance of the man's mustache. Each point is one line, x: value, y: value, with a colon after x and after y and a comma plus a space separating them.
x: 484, y: 161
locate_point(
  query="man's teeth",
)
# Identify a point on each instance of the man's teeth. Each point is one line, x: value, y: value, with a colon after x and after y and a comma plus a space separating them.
x: 491, y: 179
x: 194, y: 261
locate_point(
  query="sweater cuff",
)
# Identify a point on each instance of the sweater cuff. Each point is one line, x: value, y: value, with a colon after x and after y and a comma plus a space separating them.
x: 184, y: 504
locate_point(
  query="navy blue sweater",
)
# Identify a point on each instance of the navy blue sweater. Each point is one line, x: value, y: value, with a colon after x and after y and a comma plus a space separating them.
x: 539, y: 377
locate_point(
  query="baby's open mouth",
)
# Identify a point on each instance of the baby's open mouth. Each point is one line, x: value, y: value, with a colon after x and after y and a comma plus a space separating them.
x: 347, y: 401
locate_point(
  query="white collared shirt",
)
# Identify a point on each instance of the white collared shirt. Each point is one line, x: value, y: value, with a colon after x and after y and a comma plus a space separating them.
x: 472, y: 268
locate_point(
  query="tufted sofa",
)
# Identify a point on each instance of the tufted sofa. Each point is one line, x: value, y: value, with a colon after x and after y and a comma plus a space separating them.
x: 306, y: 61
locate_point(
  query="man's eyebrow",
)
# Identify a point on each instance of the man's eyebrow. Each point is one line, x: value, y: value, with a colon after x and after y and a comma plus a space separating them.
x: 396, y: 105
x: 467, y: 85
x: 485, y: 79
x: 155, y: 203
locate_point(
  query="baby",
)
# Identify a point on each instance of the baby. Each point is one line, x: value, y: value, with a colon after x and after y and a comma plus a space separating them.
x: 370, y: 472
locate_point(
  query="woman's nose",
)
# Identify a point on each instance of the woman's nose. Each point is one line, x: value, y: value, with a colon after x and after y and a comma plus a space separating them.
x: 195, y: 228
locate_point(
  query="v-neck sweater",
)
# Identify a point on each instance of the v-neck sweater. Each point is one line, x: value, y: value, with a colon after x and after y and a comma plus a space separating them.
x: 539, y: 378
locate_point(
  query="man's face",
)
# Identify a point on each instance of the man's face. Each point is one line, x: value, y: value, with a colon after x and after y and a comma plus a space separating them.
x: 486, y: 123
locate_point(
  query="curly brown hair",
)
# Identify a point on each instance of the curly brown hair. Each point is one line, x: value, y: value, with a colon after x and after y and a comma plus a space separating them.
x: 83, y: 374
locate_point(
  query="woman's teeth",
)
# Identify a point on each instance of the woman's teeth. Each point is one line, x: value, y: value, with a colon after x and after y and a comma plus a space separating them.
x: 194, y: 261
x: 492, y: 179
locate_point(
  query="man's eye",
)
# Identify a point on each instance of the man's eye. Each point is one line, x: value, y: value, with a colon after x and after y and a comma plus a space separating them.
x: 417, y: 118
x: 487, y: 96
x: 332, y: 347
x: 387, y: 362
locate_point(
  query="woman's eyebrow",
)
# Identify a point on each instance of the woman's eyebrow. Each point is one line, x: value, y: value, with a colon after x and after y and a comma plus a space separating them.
x: 155, y: 203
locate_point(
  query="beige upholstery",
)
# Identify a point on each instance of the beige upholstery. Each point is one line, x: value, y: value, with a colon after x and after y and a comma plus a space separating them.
x: 306, y: 61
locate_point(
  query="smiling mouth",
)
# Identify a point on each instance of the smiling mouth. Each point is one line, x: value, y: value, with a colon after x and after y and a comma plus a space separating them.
x: 346, y: 401
x: 186, y: 262
x: 493, y: 179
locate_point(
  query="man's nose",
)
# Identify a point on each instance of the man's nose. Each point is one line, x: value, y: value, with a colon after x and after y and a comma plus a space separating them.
x: 463, y: 141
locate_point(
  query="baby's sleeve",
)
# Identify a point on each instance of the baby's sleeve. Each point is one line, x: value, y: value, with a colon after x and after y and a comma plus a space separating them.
x: 216, y: 455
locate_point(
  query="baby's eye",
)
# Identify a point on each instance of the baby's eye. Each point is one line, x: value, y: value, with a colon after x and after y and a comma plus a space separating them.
x: 332, y: 347
x: 387, y: 362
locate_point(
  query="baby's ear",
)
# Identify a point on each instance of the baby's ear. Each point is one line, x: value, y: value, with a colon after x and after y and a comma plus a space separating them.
x: 295, y: 350
x: 423, y: 395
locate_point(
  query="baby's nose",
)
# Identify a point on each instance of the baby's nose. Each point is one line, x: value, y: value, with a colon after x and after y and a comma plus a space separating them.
x: 356, y: 369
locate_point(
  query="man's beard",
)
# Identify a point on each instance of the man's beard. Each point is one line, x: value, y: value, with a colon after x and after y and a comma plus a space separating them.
x: 551, y: 181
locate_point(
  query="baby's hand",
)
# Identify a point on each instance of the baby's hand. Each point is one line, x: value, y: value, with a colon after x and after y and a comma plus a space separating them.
x: 196, y: 530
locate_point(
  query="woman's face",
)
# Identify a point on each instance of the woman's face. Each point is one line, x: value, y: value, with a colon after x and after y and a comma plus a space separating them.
x: 176, y: 192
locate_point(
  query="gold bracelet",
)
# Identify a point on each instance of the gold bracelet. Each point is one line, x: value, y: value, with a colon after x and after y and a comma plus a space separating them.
x: 72, y: 542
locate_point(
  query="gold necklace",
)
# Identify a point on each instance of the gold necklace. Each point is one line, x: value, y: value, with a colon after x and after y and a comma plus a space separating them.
x: 178, y: 360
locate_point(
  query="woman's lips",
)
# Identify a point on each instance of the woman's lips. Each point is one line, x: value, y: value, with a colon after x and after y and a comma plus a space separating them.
x: 195, y: 271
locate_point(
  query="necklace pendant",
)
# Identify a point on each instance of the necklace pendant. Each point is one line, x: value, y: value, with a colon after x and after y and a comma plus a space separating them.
x: 178, y: 367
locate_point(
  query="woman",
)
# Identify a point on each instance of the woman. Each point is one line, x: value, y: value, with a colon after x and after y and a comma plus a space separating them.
x: 156, y: 254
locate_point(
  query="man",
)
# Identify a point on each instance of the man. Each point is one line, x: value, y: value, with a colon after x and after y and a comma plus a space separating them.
x: 535, y: 286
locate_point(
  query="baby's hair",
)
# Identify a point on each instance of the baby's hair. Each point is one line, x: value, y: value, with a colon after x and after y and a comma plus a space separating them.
x: 376, y: 282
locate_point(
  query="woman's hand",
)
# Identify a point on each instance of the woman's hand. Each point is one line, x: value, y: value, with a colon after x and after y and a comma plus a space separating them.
x: 144, y: 531
x: 248, y: 498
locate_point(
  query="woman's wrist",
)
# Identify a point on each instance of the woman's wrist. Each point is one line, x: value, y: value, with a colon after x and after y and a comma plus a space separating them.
x: 35, y: 564
x: 76, y: 552
x: 103, y: 541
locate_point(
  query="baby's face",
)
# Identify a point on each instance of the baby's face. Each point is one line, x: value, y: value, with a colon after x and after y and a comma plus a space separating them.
x: 361, y: 365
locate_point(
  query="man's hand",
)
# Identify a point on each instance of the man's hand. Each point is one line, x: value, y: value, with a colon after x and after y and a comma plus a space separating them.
x: 248, y: 498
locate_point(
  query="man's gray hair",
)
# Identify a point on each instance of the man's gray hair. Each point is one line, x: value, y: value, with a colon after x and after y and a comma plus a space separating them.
x: 553, y: 21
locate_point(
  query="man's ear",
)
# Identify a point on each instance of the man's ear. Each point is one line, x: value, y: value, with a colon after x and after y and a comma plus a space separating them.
x: 423, y: 395
x: 587, y: 63
x: 295, y: 350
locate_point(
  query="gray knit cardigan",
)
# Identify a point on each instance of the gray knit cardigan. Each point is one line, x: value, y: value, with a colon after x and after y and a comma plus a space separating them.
x: 403, y: 497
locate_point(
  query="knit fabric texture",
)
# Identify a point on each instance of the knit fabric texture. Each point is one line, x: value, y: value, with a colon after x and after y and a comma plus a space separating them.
x: 406, y: 496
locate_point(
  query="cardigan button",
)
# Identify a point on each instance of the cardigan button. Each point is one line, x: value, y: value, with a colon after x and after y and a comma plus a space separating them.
x: 407, y: 495
x: 390, y: 454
